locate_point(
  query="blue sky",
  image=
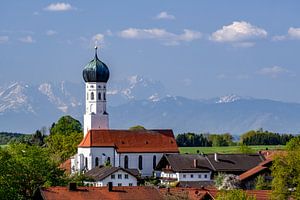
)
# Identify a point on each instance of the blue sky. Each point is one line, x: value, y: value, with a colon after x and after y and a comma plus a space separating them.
x: 197, y: 49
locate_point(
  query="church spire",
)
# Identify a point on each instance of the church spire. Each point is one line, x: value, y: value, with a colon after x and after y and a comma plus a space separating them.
x: 96, y: 49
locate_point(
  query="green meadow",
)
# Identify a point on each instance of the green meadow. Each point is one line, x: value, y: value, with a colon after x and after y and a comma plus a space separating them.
x: 228, y: 149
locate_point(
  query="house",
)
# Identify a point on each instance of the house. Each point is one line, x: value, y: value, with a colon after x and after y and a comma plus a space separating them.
x: 102, y: 175
x: 198, y: 170
x: 248, y: 178
x: 129, y: 149
x: 184, y: 168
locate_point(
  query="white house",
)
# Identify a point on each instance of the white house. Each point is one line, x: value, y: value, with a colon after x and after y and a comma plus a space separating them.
x: 137, y: 149
x: 101, y: 176
x: 184, y: 168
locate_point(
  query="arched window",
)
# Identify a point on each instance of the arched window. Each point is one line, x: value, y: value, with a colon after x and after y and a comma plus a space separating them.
x: 154, y: 161
x: 92, y: 96
x: 104, y: 96
x: 96, y: 161
x: 99, y: 96
x: 126, y: 162
x: 140, y: 162
x: 86, y: 162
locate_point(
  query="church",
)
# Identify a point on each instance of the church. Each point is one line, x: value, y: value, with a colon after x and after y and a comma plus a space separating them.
x: 129, y: 149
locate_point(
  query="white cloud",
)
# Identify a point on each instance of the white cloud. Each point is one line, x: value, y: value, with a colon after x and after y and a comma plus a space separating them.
x: 51, y: 32
x: 59, y: 7
x: 3, y: 39
x: 273, y: 71
x: 168, y: 38
x: 164, y: 15
x: 99, y: 38
x: 27, y: 39
x: 292, y: 34
x: 238, y: 32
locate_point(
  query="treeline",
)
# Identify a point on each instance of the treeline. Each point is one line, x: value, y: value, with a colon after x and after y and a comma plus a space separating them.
x: 253, y: 137
x: 204, y: 140
x: 6, y: 137
x: 261, y: 137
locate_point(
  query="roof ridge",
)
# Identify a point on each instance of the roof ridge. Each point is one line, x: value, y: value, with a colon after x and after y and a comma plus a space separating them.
x: 213, y: 167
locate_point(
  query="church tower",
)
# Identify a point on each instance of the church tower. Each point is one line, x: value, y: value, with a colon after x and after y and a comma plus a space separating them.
x: 95, y: 75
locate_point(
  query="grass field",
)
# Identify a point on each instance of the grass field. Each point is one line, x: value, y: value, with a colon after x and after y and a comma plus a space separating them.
x: 229, y: 149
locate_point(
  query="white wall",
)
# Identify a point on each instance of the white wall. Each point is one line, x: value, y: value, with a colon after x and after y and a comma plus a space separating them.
x: 92, y: 153
x: 180, y: 176
x: 133, y: 161
x: 115, y: 181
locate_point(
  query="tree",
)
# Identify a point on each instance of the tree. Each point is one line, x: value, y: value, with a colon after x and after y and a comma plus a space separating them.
x: 234, y: 195
x: 227, y: 182
x: 24, y: 168
x: 286, y: 172
x: 261, y: 184
x: 137, y: 128
x: 65, y: 135
x: 66, y: 125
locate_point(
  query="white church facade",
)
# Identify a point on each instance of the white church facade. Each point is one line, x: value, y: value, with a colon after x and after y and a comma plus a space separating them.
x: 129, y: 149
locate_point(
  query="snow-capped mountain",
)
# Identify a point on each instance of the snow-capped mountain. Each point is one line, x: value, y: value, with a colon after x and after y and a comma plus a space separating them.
x: 228, y: 98
x: 136, y: 100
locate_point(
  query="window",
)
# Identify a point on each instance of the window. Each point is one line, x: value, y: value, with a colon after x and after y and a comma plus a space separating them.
x: 119, y: 176
x: 192, y: 175
x: 119, y: 184
x: 86, y: 162
x: 92, y: 96
x: 126, y: 162
x: 130, y: 184
x: 199, y: 176
x: 126, y: 176
x: 87, y: 96
x: 104, y: 96
x: 154, y: 162
x: 99, y: 96
x: 112, y: 176
x: 96, y: 161
x: 140, y: 162
x: 205, y: 175
x: 108, y: 160
x: 184, y: 176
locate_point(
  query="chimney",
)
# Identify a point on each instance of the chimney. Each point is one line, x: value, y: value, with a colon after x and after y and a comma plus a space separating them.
x: 195, y: 163
x: 110, y: 186
x: 72, y: 187
x: 216, y: 157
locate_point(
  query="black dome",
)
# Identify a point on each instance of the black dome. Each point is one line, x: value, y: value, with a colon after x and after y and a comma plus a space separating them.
x: 95, y: 71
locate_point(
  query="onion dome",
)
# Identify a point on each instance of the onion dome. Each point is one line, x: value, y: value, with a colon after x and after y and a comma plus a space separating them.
x: 95, y: 70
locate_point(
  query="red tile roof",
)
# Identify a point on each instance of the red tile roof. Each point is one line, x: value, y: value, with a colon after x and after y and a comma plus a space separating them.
x: 255, y: 170
x: 138, y: 192
x: 93, y: 193
x: 127, y: 141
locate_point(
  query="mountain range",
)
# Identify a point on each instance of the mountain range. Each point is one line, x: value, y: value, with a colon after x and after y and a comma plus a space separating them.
x: 138, y: 101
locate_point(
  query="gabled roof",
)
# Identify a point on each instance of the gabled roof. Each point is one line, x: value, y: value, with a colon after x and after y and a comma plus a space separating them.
x: 226, y: 162
x: 235, y: 162
x: 263, y: 166
x: 132, y: 141
x: 100, y: 173
x: 185, y: 163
